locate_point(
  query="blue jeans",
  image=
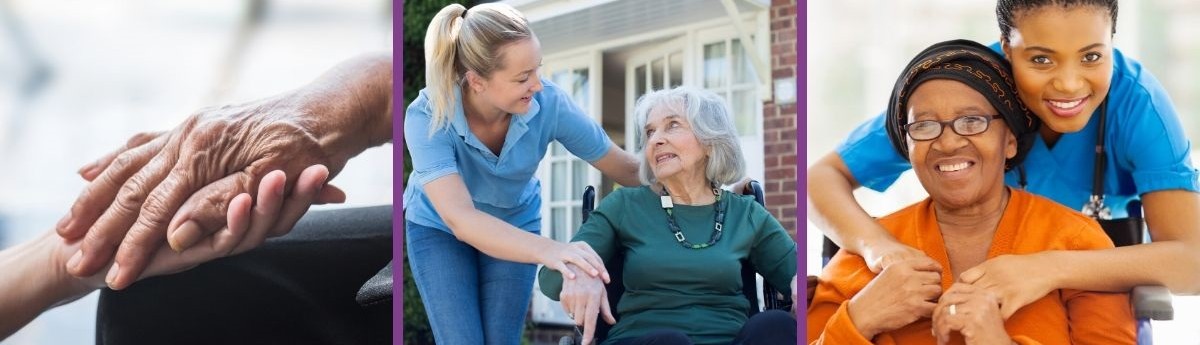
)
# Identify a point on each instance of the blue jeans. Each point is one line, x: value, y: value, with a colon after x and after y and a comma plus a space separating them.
x: 471, y: 298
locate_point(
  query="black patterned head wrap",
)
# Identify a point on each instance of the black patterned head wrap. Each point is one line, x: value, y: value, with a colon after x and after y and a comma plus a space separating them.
x: 979, y: 68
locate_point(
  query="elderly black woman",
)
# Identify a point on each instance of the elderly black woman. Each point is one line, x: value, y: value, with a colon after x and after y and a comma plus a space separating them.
x: 955, y: 115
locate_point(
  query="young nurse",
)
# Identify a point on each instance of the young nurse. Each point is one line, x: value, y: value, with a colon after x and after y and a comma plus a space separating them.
x: 1066, y: 70
x: 476, y: 134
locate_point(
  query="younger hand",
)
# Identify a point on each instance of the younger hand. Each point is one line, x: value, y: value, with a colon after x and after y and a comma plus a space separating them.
x: 579, y: 253
x: 1016, y: 280
x: 884, y: 254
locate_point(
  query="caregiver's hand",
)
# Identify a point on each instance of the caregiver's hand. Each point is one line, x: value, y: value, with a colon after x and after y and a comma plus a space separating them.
x: 34, y: 278
x: 1016, y: 280
x: 578, y: 253
x: 146, y: 192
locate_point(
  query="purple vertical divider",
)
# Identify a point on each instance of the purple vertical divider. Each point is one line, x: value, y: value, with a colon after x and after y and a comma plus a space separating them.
x: 397, y: 173
x: 801, y: 168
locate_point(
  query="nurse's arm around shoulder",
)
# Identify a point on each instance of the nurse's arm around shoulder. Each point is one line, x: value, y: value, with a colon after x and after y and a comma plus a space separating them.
x: 501, y: 240
x: 832, y: 207
x: 619, y: 165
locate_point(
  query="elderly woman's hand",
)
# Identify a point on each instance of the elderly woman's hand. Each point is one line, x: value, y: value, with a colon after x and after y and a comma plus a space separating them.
x: 971, y: 311
x: 151, y: 190
x: 585, y: 299
x: 1017, y: 280
x: 901, y: 294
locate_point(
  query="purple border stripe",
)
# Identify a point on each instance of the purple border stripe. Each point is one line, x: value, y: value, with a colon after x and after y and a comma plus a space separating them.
x: 801, y: 168
x: 397, y: 174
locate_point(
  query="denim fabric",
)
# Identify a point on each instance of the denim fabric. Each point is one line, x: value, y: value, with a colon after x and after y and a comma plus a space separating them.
x: 471, y: 298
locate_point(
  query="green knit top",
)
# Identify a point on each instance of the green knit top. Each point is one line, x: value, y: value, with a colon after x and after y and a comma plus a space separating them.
x: 667, y: 286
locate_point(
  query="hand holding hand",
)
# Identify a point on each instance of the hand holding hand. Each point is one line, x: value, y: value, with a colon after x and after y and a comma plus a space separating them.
x: 578, y: 253
x: 1016, y: 280
x: 249, y: 227
x: 147, y: 192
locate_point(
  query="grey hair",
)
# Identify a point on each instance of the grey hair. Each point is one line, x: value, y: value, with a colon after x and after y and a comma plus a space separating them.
x: 711, y: 123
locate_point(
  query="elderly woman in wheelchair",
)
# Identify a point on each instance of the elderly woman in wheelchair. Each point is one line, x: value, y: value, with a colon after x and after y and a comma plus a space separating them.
x: 681, y: 238
x: 941, y: 117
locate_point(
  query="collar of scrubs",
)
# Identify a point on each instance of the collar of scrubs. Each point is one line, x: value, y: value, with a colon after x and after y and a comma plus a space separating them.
x: 518, y: 125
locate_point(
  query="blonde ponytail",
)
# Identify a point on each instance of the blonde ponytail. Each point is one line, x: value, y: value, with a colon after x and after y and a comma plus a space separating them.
x: 458, y: 41
x: 441, y: 72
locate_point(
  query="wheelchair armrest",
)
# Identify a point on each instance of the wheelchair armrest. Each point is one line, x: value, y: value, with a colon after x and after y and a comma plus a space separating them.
x: 1152, y: 302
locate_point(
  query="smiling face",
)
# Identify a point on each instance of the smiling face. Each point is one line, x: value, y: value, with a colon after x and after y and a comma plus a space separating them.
x: 671, y: 146
x: 510, y: 89
x: 958, y: 171
x: 1062, y: 62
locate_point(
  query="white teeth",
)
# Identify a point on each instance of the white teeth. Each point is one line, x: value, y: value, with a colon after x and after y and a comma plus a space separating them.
x: 1066, y: 105
x: 953, y: 167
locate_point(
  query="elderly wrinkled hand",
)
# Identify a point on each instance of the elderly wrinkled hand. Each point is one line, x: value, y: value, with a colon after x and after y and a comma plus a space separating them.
x: 176, y: 187
x: 585, y: 299
x: 972, y: 312
x: 249, y: 226
x: 899, y: 295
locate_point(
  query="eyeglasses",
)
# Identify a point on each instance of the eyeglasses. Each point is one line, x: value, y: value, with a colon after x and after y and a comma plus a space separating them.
x: 964, y: 126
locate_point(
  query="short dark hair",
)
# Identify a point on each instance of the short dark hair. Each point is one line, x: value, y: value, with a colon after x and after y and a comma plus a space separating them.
x: 1005, y: 10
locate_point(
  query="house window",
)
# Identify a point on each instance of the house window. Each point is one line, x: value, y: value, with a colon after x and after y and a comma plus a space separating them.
x: 658, y: 72
x: 568, y: 174
x: 727, y: 71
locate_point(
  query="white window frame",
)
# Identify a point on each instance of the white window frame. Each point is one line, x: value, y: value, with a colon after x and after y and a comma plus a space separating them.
x: 644, y: 57
x: 545, y: 310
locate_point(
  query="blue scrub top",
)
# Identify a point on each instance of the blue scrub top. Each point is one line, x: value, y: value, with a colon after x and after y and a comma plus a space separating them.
x: 503, y: 186
x: 1146, y: 148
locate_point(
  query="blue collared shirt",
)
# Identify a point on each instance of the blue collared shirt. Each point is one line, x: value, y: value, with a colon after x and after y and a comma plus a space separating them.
x: 503, y: 186
x: 1146, y: 148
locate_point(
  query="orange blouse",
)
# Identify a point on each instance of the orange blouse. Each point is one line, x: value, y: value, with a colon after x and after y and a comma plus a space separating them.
x: 1030, y: 224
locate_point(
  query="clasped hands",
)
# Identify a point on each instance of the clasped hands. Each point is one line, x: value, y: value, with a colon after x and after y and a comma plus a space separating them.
x: 216, y: 185
x: 909, y: 289
x: 226, y: 178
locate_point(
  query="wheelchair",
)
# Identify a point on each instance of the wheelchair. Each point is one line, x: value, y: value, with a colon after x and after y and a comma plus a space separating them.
x: 772, y: 298
x: 1149, y: 302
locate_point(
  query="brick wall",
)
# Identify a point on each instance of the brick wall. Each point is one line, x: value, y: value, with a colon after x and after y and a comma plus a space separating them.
x: 779, y: 121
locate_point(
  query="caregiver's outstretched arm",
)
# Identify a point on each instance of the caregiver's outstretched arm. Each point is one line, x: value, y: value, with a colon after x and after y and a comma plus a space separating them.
x: 501, y: 240
x: 1172, y: 260
x: 832, y: 207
